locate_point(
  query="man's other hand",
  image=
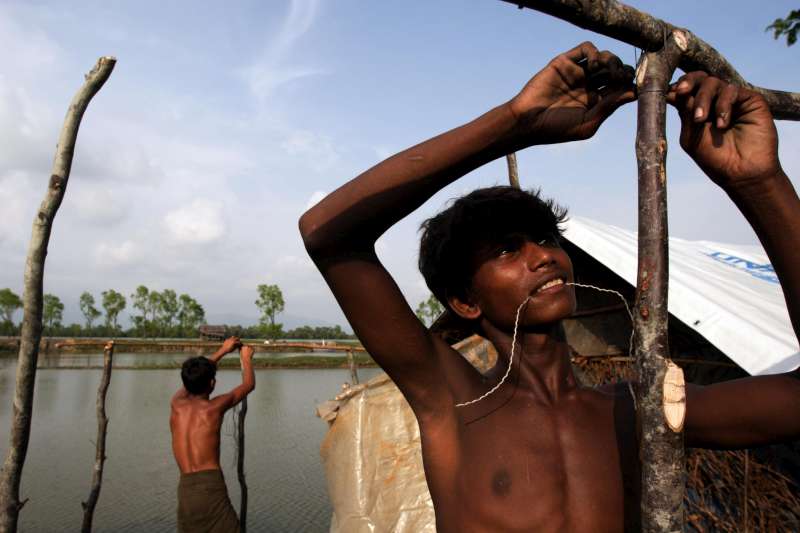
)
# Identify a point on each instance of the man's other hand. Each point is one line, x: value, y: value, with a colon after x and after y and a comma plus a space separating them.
x: 727, y: 130
x: 231, y: 344
x: 571, y: 97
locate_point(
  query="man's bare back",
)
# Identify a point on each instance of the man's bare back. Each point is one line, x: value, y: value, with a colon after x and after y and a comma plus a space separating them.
x: 542, y: 453
x: 195, y: 423
x: 195, y: 419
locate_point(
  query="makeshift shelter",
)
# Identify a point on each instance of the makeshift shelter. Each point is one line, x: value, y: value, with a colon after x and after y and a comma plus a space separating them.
x: 209, y: 332
x: 727, y: 319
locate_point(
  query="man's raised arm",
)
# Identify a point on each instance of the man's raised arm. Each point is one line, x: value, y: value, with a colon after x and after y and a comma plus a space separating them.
x: 232, y: 398
x: 559, y: 104
x: 730, y: 134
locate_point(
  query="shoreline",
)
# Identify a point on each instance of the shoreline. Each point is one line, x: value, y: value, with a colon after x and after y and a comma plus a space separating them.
x: 194, y: 346
x: 286, y: 363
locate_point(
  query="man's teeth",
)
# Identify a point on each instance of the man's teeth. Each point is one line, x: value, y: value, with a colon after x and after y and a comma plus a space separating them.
x: 551, y: 283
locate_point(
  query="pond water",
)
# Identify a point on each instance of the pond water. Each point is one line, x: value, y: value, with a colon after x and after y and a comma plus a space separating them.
x: 284, y: 473
x: 144, y: 359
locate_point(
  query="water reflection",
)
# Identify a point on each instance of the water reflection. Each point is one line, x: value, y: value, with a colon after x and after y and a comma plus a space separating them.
x: 287, y: 486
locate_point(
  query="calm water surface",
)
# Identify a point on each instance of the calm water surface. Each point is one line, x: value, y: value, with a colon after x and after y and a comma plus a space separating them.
x: 284, y: 473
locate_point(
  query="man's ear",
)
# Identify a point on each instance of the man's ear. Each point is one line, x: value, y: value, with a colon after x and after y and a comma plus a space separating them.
x: 464, y: 307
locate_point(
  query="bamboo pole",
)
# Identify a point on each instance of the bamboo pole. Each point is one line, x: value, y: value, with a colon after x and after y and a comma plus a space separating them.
x: 100, y: 444
x: 240, y: 467
x: 629, y: 25
x: 31, y: 333
x: 661, y: 450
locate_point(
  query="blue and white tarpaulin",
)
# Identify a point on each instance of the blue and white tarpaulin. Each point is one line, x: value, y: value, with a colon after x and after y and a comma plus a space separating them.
x: 727, y: 293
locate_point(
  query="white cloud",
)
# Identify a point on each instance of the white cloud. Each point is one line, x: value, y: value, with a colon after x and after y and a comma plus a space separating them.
x: 293, y: 264
x: 316, y: 151
x: 272, y: 70
x: 17, y: 196
x: 97, y: 205
x: 116, y: 254
x: 316, y: 197
x: 384, y: 152
x: 26, y: 50
x: 200, y: 222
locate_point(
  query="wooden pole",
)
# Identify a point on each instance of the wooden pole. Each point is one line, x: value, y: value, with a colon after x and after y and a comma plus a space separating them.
x: 513, y: 170
x: 661, y: 449
x: 100, y: 445
x: 637, y: 28
x: 31, y: 333
x: 745, y: 525
x: 240, y: 467
x: 351, y: 360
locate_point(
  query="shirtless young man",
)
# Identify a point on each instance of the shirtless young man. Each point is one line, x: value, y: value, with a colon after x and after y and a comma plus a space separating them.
x: 543, y: 453
x: 195, y: 421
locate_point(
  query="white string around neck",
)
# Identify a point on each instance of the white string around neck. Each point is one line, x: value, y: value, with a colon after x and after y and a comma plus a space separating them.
x: 514, y: 344
x: 510, y: 359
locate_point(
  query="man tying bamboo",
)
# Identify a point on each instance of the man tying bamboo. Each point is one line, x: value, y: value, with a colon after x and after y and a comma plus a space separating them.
x: 525, y: 447
x: 195, y: 422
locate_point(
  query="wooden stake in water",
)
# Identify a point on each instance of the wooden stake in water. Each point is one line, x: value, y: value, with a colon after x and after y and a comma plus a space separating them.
x: 351, y: 361
x: 240, y: 466
x: 100, y: 444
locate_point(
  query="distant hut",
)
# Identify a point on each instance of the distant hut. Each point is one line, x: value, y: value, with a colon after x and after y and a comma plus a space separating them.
x: 212, y: 333
x: 727, y: 320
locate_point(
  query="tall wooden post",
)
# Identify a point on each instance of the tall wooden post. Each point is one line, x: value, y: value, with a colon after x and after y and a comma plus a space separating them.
x: 661, y: 451
x: 31, y: 333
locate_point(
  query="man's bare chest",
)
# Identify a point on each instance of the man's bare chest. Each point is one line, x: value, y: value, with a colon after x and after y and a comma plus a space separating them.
x: 535, y: 468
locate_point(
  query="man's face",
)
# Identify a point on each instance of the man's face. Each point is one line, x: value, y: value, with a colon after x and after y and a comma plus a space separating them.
x: 518, y: 268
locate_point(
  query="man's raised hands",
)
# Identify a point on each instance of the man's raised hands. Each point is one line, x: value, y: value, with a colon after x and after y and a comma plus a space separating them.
x: 571, y: 97
x: 231, y: 344
x: 727, y: 130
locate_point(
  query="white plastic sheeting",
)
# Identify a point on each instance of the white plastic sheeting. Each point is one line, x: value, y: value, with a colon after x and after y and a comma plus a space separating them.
x: 372, y: 455
x: 727, y: 293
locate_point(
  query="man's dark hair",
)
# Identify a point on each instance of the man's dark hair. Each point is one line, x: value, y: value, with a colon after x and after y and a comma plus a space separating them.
x: 197, y: 373
x: 457, y: 240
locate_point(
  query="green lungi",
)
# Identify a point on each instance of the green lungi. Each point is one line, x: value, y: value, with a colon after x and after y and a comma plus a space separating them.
x: 203, y: 504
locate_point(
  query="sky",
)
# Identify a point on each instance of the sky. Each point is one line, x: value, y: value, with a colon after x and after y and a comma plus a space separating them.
x: 223, y: 122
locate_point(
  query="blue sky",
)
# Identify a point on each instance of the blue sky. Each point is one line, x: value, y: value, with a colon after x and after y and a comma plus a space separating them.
x: 222, y: 122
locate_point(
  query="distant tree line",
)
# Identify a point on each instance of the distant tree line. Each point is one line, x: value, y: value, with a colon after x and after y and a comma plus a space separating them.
x: 160, y: 314
x: 156, y: 314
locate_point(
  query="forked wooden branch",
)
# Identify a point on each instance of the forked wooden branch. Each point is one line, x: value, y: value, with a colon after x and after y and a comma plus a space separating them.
x: 100, y: 444
x: 629, y: 25
x: 31, y: 332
